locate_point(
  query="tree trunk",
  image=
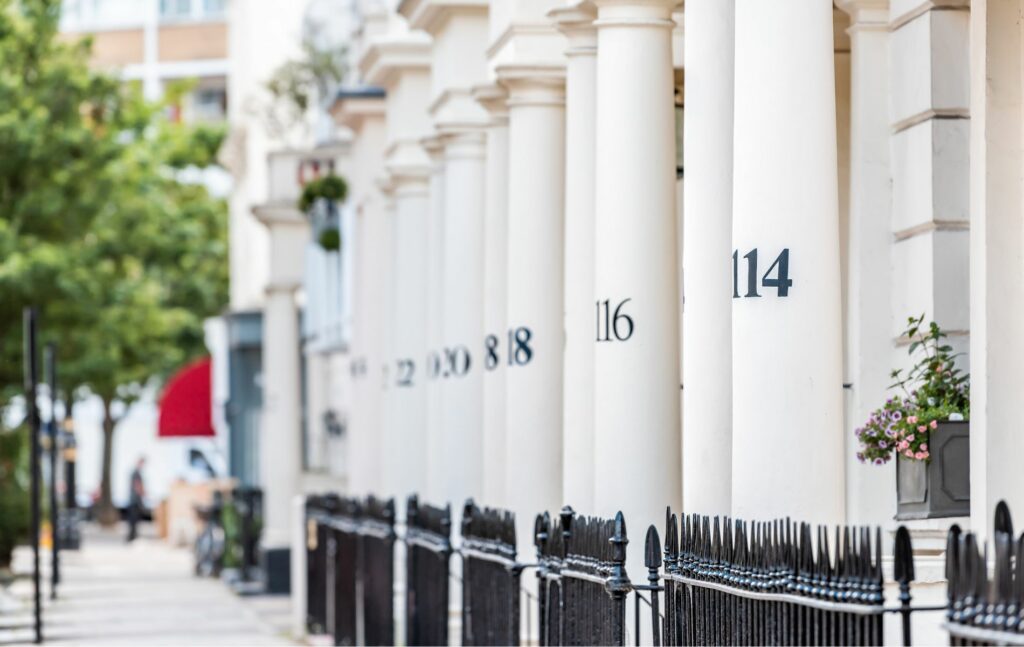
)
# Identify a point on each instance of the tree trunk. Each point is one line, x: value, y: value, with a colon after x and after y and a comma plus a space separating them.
x: 106, y: 513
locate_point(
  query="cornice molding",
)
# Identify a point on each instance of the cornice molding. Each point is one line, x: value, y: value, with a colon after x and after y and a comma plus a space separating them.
x: 272, y: 214
x: 430, y: 15
x: 386, y: 58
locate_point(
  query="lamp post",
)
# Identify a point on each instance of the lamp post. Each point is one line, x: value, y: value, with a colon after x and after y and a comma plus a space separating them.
x: 51, y: 374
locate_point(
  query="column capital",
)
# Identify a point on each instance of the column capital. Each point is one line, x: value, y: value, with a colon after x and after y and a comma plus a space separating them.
x: 464, y: 144
x: 277, y: 215
x: 635, y: 13
x: 866, y: 14
x: 494, y: 99
x: 533, y: 84
x: 281, y: 287
x: 434, y: 145
x: 576, y: 21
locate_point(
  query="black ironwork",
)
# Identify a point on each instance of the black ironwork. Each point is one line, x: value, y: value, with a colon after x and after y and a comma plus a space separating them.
x: 318, y: 510
x: 350, y: 569
x: 248, y: 504
x: 582, y: 577
x: 53, y: 434
x: 377, y: 571
x: 429, y: 549
x: 729, y: 582
x: 31, y: 357
x: 490, y: 577
x: 983, y: 611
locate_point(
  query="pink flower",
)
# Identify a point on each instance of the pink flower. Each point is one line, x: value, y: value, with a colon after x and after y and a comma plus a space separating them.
x: 934, y: 424
x: 910, y: 438
x: 919, y: 455
x: 922, y: 428
x: 909, y: 454
x: 912, y: 419
x: 924, y: 447
x: 925, y: 454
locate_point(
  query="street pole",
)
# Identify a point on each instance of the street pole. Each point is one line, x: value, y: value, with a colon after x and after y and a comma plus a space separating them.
x: 31, y: 382
x: 51, y: 373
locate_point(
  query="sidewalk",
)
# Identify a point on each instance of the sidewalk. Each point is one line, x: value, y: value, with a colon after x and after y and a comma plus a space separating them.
x: 140, y: 594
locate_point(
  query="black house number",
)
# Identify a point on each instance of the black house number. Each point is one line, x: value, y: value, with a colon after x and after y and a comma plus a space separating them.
x: 780, y: 281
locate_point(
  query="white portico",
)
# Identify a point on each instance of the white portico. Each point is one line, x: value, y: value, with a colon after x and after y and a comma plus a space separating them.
x: 458, y: 31
x: 399, y: 62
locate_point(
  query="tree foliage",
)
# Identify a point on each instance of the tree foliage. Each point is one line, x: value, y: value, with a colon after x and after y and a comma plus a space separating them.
x: 99, y: 230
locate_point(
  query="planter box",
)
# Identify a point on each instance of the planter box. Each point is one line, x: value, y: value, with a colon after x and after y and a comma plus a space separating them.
x: 940, y: 487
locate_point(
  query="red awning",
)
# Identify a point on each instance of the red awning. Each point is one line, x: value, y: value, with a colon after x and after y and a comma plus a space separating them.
x: 185, y: 409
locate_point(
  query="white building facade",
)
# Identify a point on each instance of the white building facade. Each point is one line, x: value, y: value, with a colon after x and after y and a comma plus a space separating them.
x: 543, y: 308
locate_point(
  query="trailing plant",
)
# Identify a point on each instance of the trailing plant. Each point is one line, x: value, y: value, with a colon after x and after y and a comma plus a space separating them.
x: 328, y: 187
x: 932, y: 390
x: 331, y: 189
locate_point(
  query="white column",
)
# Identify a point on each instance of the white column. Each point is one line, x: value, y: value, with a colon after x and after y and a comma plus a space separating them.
x: 533, y: 344
x: 577, y: 23
x: 636, y: 370
x: 462, y: 317
x: 435, y: 290
x: 997, y: 302
x: 493, y: 99
x: 280, y: 451
x: 383, y: 321
x: 280, y: 432
x: 410, y: 338
x: 707, y: 245
x: 787, y: 341
x: 870, y: 237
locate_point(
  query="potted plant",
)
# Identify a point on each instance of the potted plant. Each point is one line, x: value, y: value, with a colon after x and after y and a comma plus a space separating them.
x: 319, y: 201
x: 925, y: 426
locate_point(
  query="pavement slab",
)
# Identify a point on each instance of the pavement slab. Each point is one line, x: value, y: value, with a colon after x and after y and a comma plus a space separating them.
x: 143, y: 593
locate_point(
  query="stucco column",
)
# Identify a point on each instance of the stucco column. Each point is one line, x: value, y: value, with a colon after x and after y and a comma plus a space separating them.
x: 707, y: 245
x: 408, y: 380
x: 636, y: 363
x: 577, y: 23
x: 997, y: 303
x: 532, y: 345
x: 461, y: 357
x: 434, y: 241
x: 280, y: 432
x: 870, y: 238
x: 493, y: 98
x: 280, y: 449
x: 786, y: 324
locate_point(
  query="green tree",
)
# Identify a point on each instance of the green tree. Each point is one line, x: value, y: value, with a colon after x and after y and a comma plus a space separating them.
x: 98, y: 227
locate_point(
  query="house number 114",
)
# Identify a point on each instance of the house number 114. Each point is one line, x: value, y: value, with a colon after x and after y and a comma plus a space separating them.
x: 781, y: 281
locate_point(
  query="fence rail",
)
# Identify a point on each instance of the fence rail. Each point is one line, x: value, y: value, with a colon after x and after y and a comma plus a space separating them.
x: 490, y: 577
x: 714, y: 580
x: 350, y: 569
x: 429, y: 550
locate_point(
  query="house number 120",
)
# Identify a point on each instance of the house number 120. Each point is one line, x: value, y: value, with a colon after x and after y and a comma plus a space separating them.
x: 781, y: 282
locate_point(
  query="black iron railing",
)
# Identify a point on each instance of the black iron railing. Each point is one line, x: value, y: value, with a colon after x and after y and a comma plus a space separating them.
x: 776, y: 583
x: 985, y: 610
x: 350, y: 569
x: 716, y: 581
x: 490, y: 577
x: 582, y: 577
x: 428, y: 553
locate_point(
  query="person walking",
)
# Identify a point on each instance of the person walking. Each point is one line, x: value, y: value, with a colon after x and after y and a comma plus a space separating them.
x: 135, y: 497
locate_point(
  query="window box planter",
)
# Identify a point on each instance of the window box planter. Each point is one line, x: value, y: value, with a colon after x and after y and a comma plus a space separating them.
x: 940, y: 487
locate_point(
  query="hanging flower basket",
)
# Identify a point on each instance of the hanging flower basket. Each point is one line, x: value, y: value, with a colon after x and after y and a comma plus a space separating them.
x: 319, y: 201
x: 925, y: 426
